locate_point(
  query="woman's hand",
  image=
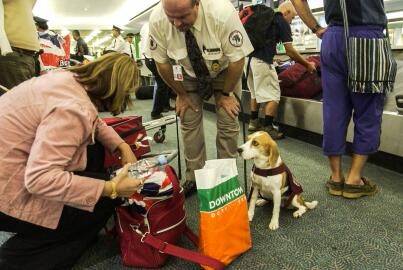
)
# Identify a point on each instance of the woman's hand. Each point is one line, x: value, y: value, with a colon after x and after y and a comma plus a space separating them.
x: 126, y: 154
x: 125, y: 185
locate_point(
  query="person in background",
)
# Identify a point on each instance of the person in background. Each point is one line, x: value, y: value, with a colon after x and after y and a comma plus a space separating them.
x: 118, y: 43
x: 199, y: 47
x: 19, y: 43
x: 46, y: 124
x: 52, y: 53
x: 162, y: 91
x: 81, y: 48
x: 339, y: 102
x: 129, y: 45
x: 262, y: 78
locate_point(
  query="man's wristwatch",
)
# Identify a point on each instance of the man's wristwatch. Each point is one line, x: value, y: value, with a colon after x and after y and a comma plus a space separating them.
x: 225, y: 94
x: 316, y: 28
x: 114, y: 193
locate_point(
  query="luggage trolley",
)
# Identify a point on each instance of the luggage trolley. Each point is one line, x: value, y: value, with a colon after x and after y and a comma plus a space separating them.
x: 159, y: 136
x: 161, y: 123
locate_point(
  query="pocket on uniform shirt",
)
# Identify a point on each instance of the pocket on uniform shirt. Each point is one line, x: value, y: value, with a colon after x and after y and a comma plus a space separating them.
x: 214, y: 60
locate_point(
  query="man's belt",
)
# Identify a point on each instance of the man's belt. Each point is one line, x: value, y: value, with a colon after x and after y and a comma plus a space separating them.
x: 24, y: 51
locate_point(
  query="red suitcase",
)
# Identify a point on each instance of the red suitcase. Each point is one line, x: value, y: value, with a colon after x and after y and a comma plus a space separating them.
x: 131, y: 129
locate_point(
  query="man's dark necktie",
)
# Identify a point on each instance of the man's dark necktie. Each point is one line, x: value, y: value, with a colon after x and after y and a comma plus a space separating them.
x: 131, y: 51
x: 204, y: 87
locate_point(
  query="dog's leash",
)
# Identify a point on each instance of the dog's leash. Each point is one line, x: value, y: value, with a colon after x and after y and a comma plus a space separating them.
x: 244, y: 140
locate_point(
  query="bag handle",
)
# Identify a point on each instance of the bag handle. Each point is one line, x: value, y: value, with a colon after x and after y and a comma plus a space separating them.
x: 191, y: 236
x: 175, y: 182
x: 346, y: 28
x: 180, y: 252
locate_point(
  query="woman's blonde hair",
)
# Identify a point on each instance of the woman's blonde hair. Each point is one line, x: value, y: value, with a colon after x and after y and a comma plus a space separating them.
x: 109, y: 81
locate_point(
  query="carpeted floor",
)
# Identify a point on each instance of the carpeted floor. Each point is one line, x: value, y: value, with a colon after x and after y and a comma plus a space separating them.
x: 339, y: 234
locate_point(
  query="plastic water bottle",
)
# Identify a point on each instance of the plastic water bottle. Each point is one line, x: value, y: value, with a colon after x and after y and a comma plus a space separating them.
x: 161, y: 160
x: 144, y: 166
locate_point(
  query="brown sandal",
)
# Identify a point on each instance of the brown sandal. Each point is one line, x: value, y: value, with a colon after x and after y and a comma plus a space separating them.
x: 335, y: 188
x: 357, y: 191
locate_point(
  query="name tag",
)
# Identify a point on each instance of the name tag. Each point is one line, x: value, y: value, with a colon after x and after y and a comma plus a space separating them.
x: 177, y: 71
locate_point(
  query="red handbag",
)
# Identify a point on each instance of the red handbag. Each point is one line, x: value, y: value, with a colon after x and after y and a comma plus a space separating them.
x: 131, y: 129
x: 148, y: 240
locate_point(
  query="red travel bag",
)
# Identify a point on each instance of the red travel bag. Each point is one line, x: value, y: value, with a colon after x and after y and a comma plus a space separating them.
x: 131, y: 129
x: 297, y: 82
x: 147, y: 240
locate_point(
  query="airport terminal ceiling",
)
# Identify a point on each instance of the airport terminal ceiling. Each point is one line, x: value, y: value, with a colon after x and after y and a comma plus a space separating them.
x: 94, y: 18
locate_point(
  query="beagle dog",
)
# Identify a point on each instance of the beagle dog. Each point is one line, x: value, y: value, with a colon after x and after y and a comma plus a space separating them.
x: 271, y: 179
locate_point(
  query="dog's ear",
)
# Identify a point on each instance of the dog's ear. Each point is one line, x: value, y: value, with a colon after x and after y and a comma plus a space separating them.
x: 273, y: 155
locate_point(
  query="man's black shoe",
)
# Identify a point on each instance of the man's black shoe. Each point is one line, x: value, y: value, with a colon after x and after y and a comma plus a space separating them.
x: 168, y: 108
x: 157, y: 116
x: 189, y: 187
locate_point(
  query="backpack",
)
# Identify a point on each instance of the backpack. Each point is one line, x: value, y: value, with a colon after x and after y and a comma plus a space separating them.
x: 256, y: 19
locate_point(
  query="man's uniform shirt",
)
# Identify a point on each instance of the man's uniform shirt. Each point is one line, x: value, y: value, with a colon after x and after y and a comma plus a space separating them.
x: 129, y: 50
x: 20, y: 30
x: 219, y: 33
x: 117, y: 45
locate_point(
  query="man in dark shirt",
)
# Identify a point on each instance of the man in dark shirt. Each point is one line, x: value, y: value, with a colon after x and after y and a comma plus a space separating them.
x: 339, y: 103
x: 262, y: 77
x: 81, y: 47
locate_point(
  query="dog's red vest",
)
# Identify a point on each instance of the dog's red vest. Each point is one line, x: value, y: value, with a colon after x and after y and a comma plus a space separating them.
x: 294, y: 187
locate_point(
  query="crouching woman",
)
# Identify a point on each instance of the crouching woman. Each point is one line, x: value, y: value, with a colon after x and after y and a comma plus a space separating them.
x: 46, y: 124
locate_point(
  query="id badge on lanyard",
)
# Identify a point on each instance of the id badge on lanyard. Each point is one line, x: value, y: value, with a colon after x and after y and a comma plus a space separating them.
x: 177, y: 71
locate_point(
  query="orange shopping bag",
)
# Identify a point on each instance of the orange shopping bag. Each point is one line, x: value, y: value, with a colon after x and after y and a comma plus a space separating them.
x: 224, y: 226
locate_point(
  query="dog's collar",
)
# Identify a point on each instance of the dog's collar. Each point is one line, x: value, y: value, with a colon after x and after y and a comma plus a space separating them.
x: 269, y: 172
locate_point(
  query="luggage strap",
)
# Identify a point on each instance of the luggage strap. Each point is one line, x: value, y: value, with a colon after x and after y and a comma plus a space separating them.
x: 180, y: 252
x: 305, y: 75
x: 248, y: 68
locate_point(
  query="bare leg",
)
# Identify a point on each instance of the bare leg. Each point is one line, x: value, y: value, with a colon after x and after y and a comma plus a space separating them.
x: 253, y: 105
x: 270, y: 108
x: 335, y: 167
x: 357, y: 165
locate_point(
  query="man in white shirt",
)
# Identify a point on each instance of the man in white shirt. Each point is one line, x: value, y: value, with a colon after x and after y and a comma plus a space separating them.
x: 177, y: 28
x: 118, y: 43
x: 129, y: 45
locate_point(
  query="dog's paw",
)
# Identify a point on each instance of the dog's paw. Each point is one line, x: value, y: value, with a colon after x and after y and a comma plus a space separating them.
x: 311, y: 205
x: 273, y: 225
x: 299, y: 213
x: 261, y: 202
x: 250, y: 215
